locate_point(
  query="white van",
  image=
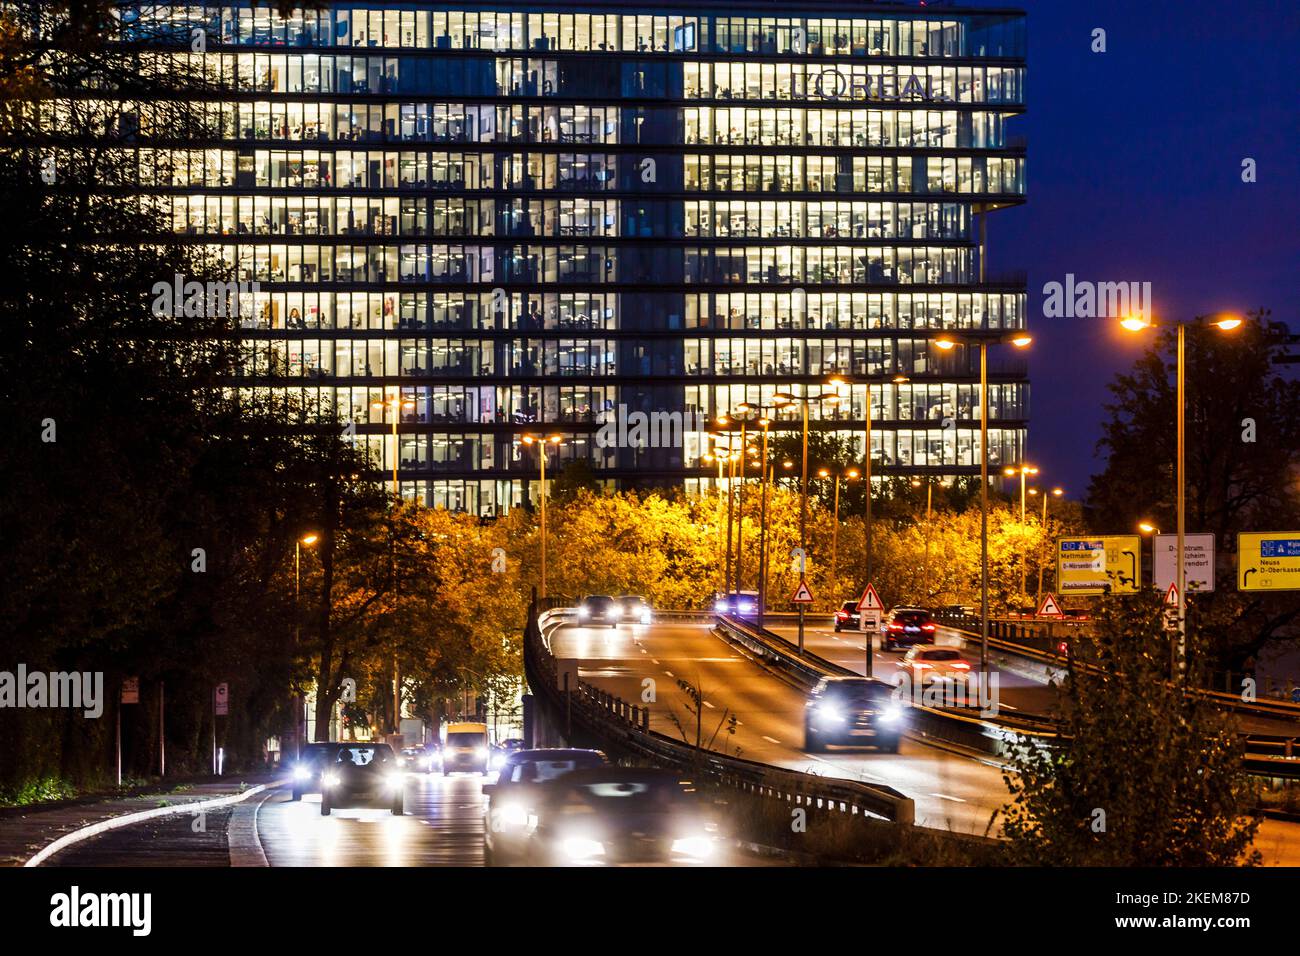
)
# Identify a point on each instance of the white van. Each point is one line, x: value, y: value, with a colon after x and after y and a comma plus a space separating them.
x: 466, y: 748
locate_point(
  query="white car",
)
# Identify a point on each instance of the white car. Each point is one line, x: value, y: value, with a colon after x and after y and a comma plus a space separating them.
x: 926, y: 663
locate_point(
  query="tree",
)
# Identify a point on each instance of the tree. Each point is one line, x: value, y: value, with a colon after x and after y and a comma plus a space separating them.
x: 1144, y: 773
x: 1243, y: 451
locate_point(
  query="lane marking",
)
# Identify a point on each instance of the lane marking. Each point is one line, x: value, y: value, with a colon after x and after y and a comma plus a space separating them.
x: 944, y: 796
x: 710, y: 706
x: 771, y: 740
x: 670, y: 673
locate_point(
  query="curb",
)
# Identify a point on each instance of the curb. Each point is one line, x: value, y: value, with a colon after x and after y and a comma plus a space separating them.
x: 127, y: 819
x: 244, y: 844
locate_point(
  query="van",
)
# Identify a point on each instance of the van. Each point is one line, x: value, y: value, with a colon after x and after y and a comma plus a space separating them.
x: 466, y: 749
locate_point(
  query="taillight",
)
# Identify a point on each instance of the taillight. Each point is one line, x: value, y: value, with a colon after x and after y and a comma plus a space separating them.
x: 895, y: 627
x: 842, y: 615
x: 961, y: 666
x: 921, y: 665
x: 927, y: 627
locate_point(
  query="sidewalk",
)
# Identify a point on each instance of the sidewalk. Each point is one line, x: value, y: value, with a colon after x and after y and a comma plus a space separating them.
x: 25, y: 831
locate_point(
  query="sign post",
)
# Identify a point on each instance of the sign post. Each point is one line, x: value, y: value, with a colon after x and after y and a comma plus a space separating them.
x: 1198, y: 561
x: 220, y: 708
x: 869, y: 614
x: 803, y: 597
x: 1268, y: 561
x: 130, y: 694
x: 1099, y: 565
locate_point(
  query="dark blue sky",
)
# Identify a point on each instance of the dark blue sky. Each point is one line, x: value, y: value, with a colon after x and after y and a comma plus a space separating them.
x: 1134, y: 174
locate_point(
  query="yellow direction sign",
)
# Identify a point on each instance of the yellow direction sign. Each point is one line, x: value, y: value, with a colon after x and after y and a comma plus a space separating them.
x: 1268, y: 561
x: 1096, y: 565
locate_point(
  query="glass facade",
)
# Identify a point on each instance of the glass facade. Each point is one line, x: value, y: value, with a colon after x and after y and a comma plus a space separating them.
x: 517, y: 218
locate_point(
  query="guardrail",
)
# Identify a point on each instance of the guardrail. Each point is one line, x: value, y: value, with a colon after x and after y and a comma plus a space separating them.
x: 625, y: 727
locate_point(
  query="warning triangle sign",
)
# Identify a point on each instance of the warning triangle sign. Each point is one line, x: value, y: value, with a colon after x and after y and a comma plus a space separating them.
x: 870, y: 600
x: 801, y: 594
x: 1049, y: 607
x: 1171, y: 596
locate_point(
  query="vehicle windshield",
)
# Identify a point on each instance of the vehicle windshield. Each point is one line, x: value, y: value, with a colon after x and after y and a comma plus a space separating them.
x: 469, y: 739
x: 941, y: 656
x: 859, y: 693
x: 600, y: 602
x: 850, y: 606
x: 363, y: 756
x: 539, y: 771
x: 912, y: 617
x: 624, y: 796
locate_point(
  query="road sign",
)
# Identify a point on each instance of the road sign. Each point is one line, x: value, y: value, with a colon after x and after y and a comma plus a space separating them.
x: 1097, y: 565
x: 870, y: 600
x: 1049, y: 607
x: 221, y: 701
x: 130, y: 690
x: 869, y: 621
x: 801, y: 594
x: 1268, y: 561
x: 1171, y: 596
x: 1198, y: 561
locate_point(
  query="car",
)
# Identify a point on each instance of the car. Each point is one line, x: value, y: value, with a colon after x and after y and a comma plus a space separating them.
x: 363, y: 775
x: 847, y: 616
x: 908, y: 626
x: 599, y: 609
x: 420, y: 759
x: 309, y: 766
x: 853, y: 711
x: 511, y: 799
x: 738, y: 603
x: 925, y: 664
x: 634, y: 609
x: 466, y: 748
x: 610, y: 816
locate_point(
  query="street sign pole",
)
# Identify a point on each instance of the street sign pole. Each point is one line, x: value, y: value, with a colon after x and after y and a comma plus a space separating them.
x: 119, y: 740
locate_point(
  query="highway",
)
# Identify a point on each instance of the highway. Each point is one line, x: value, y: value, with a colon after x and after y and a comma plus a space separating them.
x: 951, y: 791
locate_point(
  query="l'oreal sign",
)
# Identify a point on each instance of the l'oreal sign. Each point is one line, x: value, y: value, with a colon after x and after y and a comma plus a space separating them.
x: 834, y: 85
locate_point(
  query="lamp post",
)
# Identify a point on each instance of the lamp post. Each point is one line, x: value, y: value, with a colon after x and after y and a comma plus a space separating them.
x: 1224, y: 323
x: 929, y: 500
x: 765, y: 422
x: 781, y: 400
x: 541, y: 443
x: 396, y: 404
x: 1020, y: 340
x: 1056, y: 493
x: 744, y: 413
x: 1022, y: 471
x: 839, y: 476
x: 708, y: 459
x: 305, y: 541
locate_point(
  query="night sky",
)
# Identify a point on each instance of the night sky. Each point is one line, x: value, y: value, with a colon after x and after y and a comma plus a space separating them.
x: 1134, y: 174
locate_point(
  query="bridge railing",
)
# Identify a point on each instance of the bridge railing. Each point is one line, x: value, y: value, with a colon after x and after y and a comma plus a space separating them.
x: 626, y: 727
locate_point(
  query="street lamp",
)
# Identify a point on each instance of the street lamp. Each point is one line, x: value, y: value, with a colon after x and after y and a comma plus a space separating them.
x: 1056, y: 493
x: 781, y: 400
x: 929, y: 500
x: 1224, y: 323
x: 396, y: 404
x: 839, y: 382
x: 744, y: 413
x: 541, y: 443
x: 1022, y: 470
x: 846, y: 475
x: 947, y: 342
x: 305, y: 541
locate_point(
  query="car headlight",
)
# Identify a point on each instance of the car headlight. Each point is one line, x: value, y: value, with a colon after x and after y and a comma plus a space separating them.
x: 581, y: 848
x: 301, y: 773
x: 720, y: 607
x: 480, y: 752
x: 330, y: 780
x: 395, y: 780
x: 891, y: 714
x: 513, y: 815
x: 428, y: 762
x: 698, y: 847
x: 830, y: 712
x: 645, y: 616
x: 498, y: 759
x: 583, y: 612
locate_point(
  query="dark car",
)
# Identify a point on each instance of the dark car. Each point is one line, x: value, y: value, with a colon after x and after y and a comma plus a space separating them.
x: 855, y: 712
x: 307, y: 769
x: 609, y: 816
x: 421, y: 759
x: 908, y: 626
x: 599, y: 609
x: 512, y: 799
x: 634, y: 609
x: 363, y: 775
x: 737, y: 603
x: 847, y: 616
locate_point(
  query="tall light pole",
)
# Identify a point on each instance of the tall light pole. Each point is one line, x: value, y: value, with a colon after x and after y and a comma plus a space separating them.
x: 395, y: 404
x: 1056, y: 493
x: 541, y: 443
x: 708, y: 459
x: 1022, y: 471
x: 765, y: 422
x: 305, y: 541
x: 840, y: 475
x: 780, y: 400
x: 1225, y: 323
x: 929, y: 500
x: 1020, y: 340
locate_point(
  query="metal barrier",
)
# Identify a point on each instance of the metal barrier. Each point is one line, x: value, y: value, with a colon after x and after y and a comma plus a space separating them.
x: 627, y: 727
